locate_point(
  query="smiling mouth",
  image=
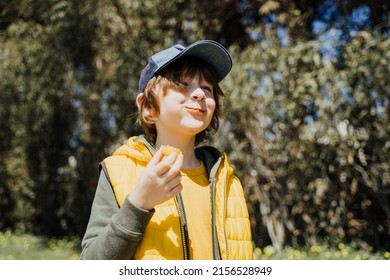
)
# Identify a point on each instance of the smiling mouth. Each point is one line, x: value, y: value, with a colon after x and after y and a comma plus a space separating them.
x: 195, y: 110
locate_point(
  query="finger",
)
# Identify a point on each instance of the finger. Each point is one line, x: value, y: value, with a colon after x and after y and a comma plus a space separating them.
x: 156, y: 158
x: 177, y: 165
x: 173, y: 170
x: 174, y: 181
x: 165, y: 164
x: 171, y: 158
x: 176, y: 190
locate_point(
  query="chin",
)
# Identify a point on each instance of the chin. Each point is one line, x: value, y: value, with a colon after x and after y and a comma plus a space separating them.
x: 195, y: 125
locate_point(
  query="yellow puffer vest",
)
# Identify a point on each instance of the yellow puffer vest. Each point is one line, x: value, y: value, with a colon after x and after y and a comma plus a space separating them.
x: 165, y: 236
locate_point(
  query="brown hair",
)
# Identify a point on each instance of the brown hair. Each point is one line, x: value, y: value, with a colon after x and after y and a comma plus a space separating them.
x: 171, y: 77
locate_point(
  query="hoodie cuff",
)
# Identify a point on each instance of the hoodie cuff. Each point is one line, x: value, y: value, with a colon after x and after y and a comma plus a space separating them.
x: 132, y: 220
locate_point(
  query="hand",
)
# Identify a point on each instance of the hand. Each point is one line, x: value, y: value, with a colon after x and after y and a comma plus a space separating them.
x: 159, y: 182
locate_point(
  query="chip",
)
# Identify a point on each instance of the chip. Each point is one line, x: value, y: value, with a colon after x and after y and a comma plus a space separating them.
x: 167, y: 150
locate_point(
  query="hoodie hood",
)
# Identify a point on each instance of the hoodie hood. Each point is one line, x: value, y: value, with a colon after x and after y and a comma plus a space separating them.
x: 142, y: 149
x: 137, y: 147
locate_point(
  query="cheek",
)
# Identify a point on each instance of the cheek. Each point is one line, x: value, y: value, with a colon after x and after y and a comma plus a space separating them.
x: 211, y: 105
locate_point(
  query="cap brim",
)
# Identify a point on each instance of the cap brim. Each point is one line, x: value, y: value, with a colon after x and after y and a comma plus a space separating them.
x: 211, y: 52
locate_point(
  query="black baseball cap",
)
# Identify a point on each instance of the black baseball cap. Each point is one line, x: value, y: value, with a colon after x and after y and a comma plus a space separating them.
x: 210, y: 51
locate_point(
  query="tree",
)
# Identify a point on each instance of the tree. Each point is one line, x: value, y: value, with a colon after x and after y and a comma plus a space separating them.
x: 306, y: 124
x: 302, y: 131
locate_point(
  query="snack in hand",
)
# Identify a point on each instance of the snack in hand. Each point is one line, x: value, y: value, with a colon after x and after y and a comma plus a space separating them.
x: 167, y: 150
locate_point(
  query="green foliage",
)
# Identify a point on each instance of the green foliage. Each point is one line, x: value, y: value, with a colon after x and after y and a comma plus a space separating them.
x: 308, y: 134
x: 18, y: 246
x: 341, y: 251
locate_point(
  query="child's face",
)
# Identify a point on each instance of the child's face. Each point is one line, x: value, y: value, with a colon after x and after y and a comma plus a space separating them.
x: 186, y: 112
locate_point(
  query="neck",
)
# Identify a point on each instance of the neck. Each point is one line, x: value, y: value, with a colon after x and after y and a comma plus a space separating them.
x: 187, y: 147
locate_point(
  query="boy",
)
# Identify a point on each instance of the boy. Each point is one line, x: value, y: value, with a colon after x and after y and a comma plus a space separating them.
x: 187, y: 204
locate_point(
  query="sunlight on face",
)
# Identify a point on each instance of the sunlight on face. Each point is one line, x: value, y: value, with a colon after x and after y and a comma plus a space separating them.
x: 187, y: 109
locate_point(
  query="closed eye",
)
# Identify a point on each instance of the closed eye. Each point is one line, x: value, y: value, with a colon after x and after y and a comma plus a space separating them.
x: 207, y: 89
x: 183, y: 84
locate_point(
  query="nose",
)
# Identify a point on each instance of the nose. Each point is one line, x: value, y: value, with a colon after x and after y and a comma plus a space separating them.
x: 198, y: 94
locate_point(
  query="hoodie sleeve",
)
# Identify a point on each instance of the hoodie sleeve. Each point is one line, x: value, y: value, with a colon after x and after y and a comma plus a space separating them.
x: 113, y: 232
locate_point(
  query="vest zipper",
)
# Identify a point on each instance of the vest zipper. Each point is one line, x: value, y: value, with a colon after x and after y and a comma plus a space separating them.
x: 179, y: 206
x: 213, y: 173
x: 183, y: 226
x: 224, y: 221
x: 216, y: 250
x: 214, y: 237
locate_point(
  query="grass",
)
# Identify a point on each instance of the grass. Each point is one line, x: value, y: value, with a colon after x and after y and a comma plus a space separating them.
x: 15, y: 245
x: 342, y: 251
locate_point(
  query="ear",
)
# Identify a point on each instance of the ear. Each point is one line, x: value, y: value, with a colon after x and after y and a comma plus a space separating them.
x: 148, y: 112
x: 139, y: 99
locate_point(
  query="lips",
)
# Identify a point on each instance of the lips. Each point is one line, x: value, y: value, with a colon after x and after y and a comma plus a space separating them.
x: 195, y: 110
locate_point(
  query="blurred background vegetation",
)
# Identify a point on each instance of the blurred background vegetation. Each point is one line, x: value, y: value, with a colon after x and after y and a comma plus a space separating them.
x: 305, y: 123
